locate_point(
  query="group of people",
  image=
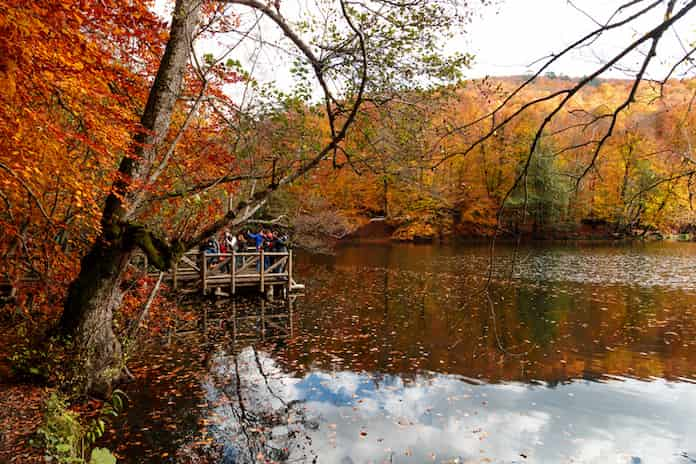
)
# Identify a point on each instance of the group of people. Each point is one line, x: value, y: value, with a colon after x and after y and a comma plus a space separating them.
x: 264, y: 239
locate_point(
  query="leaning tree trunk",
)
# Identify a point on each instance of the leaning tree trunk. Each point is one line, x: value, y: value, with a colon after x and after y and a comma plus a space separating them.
x: 95, y: 294
x: 92, y: 299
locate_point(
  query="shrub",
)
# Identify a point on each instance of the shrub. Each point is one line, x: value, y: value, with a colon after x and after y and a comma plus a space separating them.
x: 61, y: 432
x: 68, y: 440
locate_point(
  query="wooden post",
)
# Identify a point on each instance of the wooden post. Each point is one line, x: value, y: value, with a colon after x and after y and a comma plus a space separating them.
x: 289, y: 272
x: 263, y: 269
x: 204, y: 269
x: 233, y: 273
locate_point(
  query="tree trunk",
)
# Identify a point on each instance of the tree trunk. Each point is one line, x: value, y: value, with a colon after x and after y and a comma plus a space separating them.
x: 95, y: 294
x: 92, y: 299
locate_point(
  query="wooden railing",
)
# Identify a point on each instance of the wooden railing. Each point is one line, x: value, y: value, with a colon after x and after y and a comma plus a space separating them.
x: 205, y: 271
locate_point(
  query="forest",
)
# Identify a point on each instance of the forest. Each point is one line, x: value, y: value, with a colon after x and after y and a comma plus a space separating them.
x: 132, y: 129
x: 400, y: 164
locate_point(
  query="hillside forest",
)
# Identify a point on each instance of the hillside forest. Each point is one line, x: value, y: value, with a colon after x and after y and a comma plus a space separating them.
x: 400, y: 164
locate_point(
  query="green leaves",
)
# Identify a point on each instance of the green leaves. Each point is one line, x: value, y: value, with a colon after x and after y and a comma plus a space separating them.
x: 61, y: 432
x: 67, y: 439
x: 102, y: 456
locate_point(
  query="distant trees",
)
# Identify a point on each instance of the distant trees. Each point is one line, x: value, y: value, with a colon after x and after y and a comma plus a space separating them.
x: 596, y: 127
x: 640, y: 181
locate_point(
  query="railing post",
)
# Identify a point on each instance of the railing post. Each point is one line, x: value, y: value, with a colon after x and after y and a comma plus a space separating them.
x: 289, y: 272
x: 263, y: 270
x: 233, y: 273
x: 204, y: 269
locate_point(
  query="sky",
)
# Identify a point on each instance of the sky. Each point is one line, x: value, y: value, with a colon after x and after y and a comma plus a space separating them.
x: 507, y: 38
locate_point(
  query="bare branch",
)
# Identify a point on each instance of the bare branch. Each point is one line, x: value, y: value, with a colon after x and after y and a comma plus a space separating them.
x: 557, y: 57
x: 246, y: 209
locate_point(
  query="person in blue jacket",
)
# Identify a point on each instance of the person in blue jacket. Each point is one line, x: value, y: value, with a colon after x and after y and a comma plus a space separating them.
x: 258, y: 238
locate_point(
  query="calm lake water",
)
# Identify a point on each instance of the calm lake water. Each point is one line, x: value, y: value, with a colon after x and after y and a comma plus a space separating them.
x: 576, y: 354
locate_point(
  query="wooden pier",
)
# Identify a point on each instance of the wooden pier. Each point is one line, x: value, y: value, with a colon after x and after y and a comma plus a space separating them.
x: 218, y: 272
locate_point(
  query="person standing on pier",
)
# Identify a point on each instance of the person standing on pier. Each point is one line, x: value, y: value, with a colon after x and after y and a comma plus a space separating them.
x: 230, y: 241
x: 228, y: 245
x: 241, y: 247
x: 280, y: 246
x: 258, y: 239
x: 242, y: 243
x: 211, y: 247
x: 267, y: 247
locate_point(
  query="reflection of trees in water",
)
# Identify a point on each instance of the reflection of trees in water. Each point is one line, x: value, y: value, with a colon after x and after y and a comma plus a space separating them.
x: 254, y: 422
x: 399, y: 311
x: 636, y: 315
x: 251, y: 421
x: 536, y: 309
x: 373, y: 317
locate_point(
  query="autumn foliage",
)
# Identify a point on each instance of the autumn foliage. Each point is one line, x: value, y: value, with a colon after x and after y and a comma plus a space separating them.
x: 406, y: 162
x: 74, y: 78
x: 72, y: 74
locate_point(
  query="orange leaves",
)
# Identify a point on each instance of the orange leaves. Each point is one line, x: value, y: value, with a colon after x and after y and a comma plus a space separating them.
x: 69, y: 90
x: 8, y: 72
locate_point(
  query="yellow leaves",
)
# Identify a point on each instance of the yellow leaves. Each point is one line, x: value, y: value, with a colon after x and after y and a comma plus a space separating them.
x: 473, y: 186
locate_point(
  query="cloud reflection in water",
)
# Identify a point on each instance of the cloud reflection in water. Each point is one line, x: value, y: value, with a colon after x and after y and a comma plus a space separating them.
x: 344, y: 417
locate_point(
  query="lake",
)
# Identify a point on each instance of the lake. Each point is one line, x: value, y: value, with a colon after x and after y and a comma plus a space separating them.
x: 405, y: 353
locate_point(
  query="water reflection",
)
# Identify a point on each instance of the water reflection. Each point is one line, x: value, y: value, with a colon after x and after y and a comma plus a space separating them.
x: 394, y: 356
x: 370, y: 309
x: 635, y: 264
x: 361, y: 417
x: 253, y: 418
